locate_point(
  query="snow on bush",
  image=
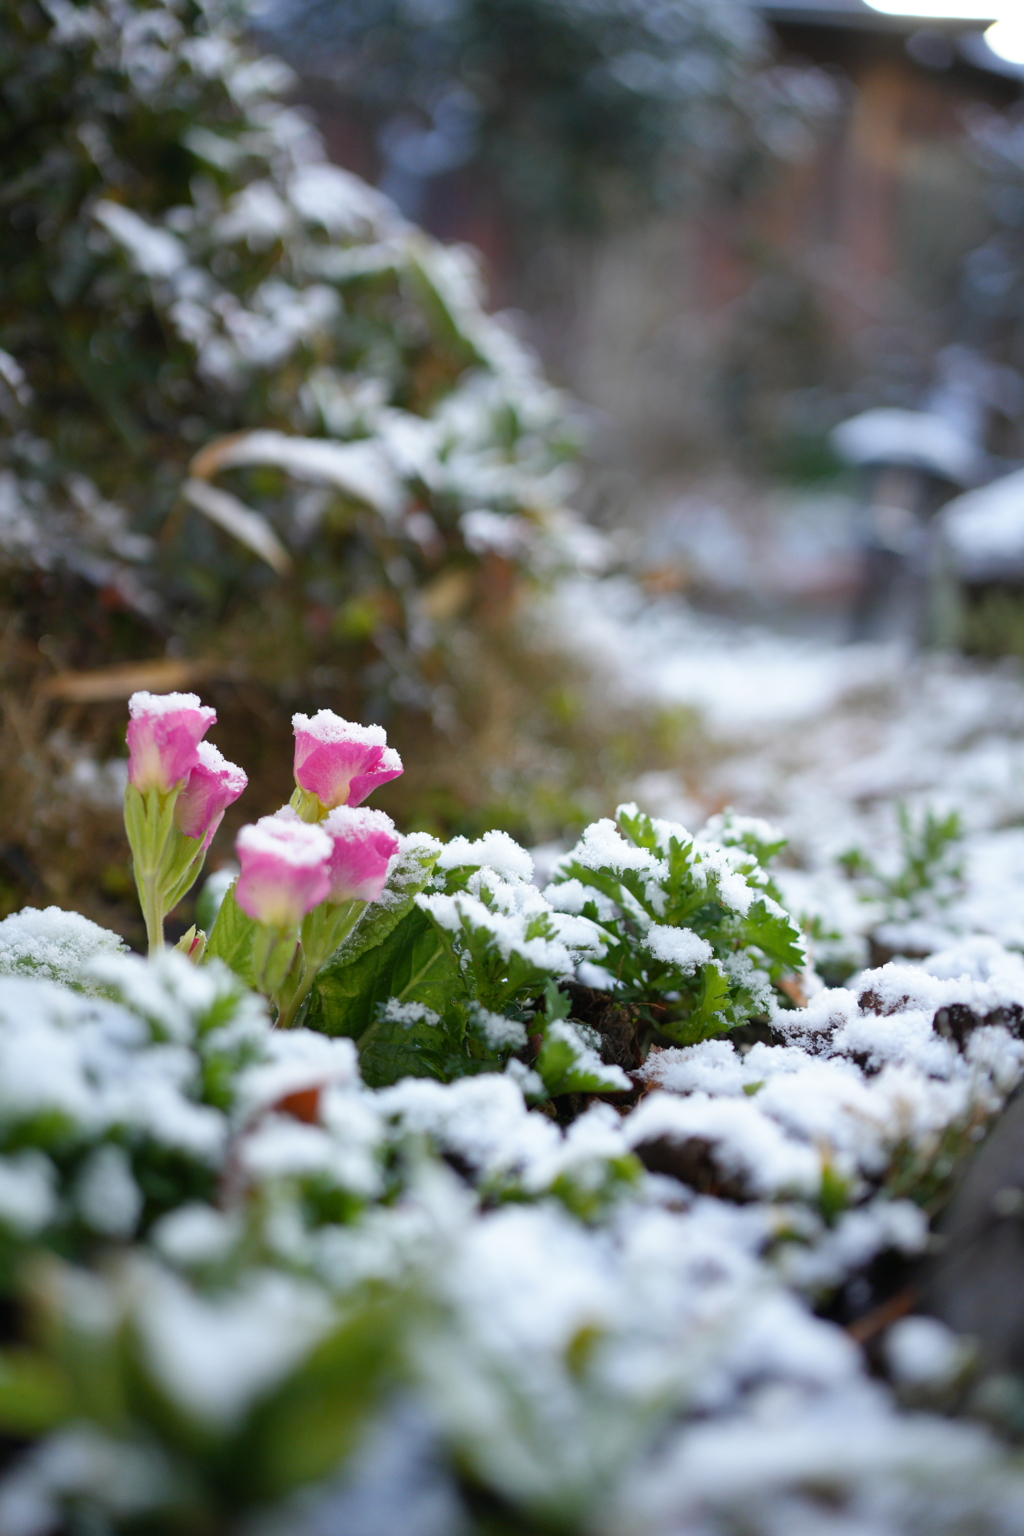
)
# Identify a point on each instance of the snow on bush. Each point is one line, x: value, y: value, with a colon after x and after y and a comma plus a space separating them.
x: 480, y: 1233
x: 210, y: 333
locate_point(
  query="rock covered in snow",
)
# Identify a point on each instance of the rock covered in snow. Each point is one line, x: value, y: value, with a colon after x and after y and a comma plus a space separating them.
x: 984, y: 531
x: 919, y: 439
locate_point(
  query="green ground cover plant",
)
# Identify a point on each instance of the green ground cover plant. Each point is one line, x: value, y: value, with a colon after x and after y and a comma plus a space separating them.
x: 412, y: 1193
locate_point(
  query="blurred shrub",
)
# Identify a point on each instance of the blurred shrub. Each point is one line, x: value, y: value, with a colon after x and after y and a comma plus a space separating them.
x: 180, y: 264
x: 259, y: 428
x: 992, y: 620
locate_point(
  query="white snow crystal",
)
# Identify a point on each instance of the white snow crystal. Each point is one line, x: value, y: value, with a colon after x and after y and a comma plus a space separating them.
x: 154, y: 252
x: 397, y: 1012
x: 499, y: 1031
x: 680, y: 947
x: 295, y: 1060
x: 746, y: 1143
x: 984, y: 530
x: 53, y: 944
x: 330, y: 728
x: 108, y: 1198
x: 603, y: 846
x: 922, y: 1352
x: 195, y: 1234
x: 28, y: 1198
x: 216, y: 1355
x: 495, y: 850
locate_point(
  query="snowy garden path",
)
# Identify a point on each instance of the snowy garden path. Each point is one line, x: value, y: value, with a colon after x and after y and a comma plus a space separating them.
x: 826, y: 741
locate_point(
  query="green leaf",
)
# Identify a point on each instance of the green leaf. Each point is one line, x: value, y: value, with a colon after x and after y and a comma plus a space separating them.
x: 34, y: 1395
x: 776, y: 936
x: 755, y: 837
x: 560, y: 1061
x: 411, y: 964
x: 560, y: 1066
x: 706, y: 1019
x: 425, y: 276
x: 637, y: 828
x: 232, y: 939
x: 390, y: 1050
x: 315, y: 1419
x: 557, y: 1004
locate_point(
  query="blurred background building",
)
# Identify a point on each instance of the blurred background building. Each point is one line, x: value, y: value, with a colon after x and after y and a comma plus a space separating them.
x: 856, y: 245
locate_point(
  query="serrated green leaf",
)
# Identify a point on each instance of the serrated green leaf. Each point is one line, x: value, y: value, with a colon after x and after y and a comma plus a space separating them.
x: 710, y: 1016
x: 559, y: 1067
x: 557, y: 1004
x: 774, y: 934
x: 638, y: 828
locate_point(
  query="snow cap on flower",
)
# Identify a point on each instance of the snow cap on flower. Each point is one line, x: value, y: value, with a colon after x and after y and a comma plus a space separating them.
x: 164, y: 731
x: 212, y: 786
x: 364, y: 845
x: 339, y: 762
x: 284, y: 869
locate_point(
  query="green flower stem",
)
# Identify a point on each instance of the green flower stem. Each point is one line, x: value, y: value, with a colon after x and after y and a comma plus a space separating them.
x: 322, y: 931
x: 275, y: 956
x: 152, y: 910
x: 294, y: 991
x: 149, y: 823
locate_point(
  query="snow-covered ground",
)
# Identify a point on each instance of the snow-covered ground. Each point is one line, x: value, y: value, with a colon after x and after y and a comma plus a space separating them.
x: 608, y: 1351
x: 827, y: 741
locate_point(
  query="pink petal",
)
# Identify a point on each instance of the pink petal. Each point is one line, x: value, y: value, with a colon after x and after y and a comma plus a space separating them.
x: 212, y: 786
x: 340, y: 762
x: 364, y: 844
x: 164, y: 731
x: 363, y: 784
x: 284, y: 870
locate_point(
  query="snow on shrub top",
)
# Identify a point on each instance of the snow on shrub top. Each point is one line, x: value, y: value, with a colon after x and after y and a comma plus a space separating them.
x: 575, y: 1306
x: 54, y: 944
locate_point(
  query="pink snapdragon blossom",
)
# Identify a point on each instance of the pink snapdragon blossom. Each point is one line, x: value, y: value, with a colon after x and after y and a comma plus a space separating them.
x: 364, y: 844
x: 212, y: 786
x: 284, y: 869
x: 164, y: 730
x: 339, y: 762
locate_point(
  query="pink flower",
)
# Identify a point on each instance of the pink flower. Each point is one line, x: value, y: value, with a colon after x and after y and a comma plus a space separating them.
x: 339, y: 762
x: 284, y: 869
x: 364, y: 844
x: 164, y: 730
x: 212, y: 786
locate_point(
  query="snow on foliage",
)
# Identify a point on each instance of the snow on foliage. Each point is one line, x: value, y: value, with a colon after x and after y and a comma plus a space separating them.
x: 238, y: 305
x: 984, y: 530
x: 53, y: 944
x: 604, y: 1318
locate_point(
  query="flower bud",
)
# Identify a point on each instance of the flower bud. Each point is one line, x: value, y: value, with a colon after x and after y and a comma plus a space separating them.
x: 164, y: 730
x: 284, y: 870
x: 339, y: 762
x: 364, y: 842
x: 192, y: 944
x: 212, y: 786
